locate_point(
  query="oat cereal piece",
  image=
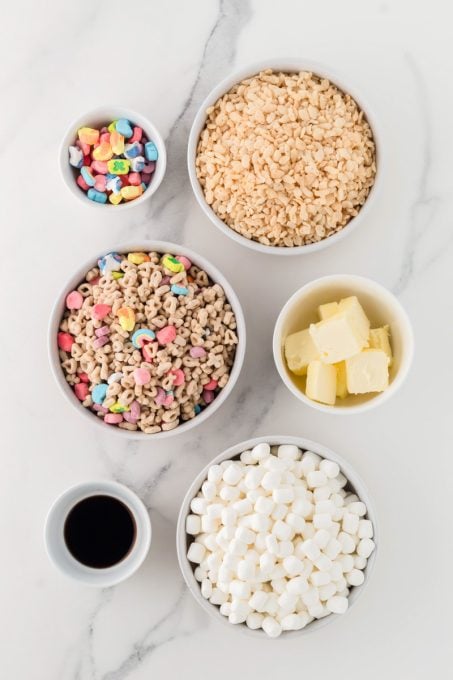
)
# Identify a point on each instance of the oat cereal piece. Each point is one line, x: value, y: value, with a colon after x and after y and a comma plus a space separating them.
x: 146, y: 341
x: 286, y: 159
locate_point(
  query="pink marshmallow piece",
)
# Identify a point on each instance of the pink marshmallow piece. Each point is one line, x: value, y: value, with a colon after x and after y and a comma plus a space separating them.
x: 166, y: 335
x: 74, y: 300
x: 103, y: 330
x: 197, y: 352
x: 142, y: 376
x: 113, y: 418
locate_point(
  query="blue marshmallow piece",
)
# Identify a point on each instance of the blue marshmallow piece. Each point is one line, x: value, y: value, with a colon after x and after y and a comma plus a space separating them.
x: 124, y: 128
x: 132, y: 150
x: 99, y: 393
x: 75, y: 157
x: 88, y: 176
x: 97, y: 196
x: 179, y: 290
x: 151, y: 152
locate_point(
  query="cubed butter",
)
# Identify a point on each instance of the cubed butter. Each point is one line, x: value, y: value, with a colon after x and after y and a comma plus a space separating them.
x: 342, y: 390
x: 356, y: 316
x: 336, y: 338
x: 367, y: 372
x: 327, y: 310
x: 321, y: 382
x: 380, y: 339
x: 299, y: 351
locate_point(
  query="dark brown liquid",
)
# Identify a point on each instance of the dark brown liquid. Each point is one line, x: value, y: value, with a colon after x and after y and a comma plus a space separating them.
x: 99, y: 531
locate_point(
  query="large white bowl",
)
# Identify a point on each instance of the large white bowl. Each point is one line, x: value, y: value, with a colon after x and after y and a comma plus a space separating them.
x: 79, y: 275
x: 381, y: 307
x: 183, y: 540
x: 97, y: 118
x: 289, y: 65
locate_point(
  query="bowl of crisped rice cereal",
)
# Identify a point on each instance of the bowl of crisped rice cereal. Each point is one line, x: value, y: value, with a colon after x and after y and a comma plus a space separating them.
x: 147, y: 340
x: 284, y: 157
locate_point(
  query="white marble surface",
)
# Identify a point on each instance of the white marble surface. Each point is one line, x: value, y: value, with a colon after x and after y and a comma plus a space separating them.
x: 60, y: 58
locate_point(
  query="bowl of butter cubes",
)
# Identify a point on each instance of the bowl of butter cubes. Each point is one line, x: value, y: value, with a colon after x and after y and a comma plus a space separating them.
x: 343, y: 344
x: 277, y: 536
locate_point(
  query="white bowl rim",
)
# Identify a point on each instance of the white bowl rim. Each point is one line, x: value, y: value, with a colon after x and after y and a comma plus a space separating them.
x: 406, y: 361
x: 288, y: 64
x: 133, y: 116
x: 158, y: 246
x: 109, y: 576
x: 305, y: 444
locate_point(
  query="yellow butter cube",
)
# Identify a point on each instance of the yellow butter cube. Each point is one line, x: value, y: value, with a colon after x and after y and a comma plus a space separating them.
x: 327, y: 310
x: 299, y: 351
x: 321, y: 382
x: 342, y: 390
x: 336, y: 338
x: 356, y: 316
x: 380, y: 339
x: 367, y: 372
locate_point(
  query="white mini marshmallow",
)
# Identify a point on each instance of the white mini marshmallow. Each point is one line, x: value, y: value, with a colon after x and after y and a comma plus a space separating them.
x: 283, y: 531
x: 316, y: 479
x: 293, y: 565
x: 330, y: 468
x: 283, y: 494
x: 200, y: 574
x: 272, y: 544
x: 319, y: 578
x: 327, y: 591
x: 260, y: 523
x: 323, y: 563
x: 225, y: 608
x: 242, y: 506
x: 209, y: 524
x: 322, y: 520
x: 240, y: 589
x: 337, y: 604
x: 271, y: 627
x: 285, y: 549
x: 215, y: 473
x: 246, y: 535
x: 254, y: 620
x: 209, y: 490
x: 206, y: 588
x: 258, y: 600
x: 228, y: 516
x: 246, y: 570
x: 303, y: 507
x: 321, y: 538
x: 247, y: 458
x: 350, y: 523
x: 297, y: 585
x: 229, y: 493
x: 264, y: 505
x: 289, y: 452
x: 237, y: 547
x: 267, y: 562
x: 193, y: 524
x: 196, y: 553
x: 198, y: 505
x: 279, y: 512
x: 232, y: 474
x: 357, y: 508
x: 271, y: 480
x: 218, y: 597
x: 261, y: 451
x: 365, y: 529
x: 355, y: 577
x: 310, y: 549
x: 360, y: 562
x: 347, y: 542
x: 253, y: 477
x: 365, y: 547
x: 295, y: 521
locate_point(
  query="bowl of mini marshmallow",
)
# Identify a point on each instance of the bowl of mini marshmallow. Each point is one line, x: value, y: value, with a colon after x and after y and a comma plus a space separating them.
x: 277, y: 536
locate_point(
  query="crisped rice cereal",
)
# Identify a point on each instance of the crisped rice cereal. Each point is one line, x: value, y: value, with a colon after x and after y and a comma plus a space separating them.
x: 286, y: 159
x: 147, y: 340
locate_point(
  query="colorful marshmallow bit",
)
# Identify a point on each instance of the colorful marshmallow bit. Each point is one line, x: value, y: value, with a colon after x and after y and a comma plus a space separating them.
x: 119, y: 151
x: 138, y: 258
x: 117, y: 407
x: 142, y: 336
x: 172, y: 264
x: 99, y: 393
x: 110, y: 263
x: 74, y: 300
x: 126, y: 317
x: 179, y: 290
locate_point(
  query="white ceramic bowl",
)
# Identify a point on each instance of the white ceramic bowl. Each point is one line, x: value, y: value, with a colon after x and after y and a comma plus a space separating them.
x: 183, y: 540
x: 97, y: 118
x: 381, y: 307
x: 288, y: 65
x: 62, y: 558
x: 79, y: 275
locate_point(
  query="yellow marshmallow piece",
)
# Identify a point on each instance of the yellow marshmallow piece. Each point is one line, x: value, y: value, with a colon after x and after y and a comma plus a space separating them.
x: 327, y: 310
x: 356, y: 316
x: 342, y: 390
x: 321, y: 382
x: 299, y: 351
x: 336, y: 338
x: 380, y: 339
x: 367, y: 372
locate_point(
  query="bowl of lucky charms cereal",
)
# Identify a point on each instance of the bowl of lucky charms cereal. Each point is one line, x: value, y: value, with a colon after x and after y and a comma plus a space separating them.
x: 112, y: 157
x: 277, y: 536
x: 285, y: 157
x: 343, y: 344
x: 147, y: 339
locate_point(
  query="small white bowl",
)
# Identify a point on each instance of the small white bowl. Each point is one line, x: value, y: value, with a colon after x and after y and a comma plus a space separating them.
x: 160, y: 247
x: 183, y: 540
x: 61, y: 557
x: 97, y: 118
x: 381, y: 307
x: 288, y: 65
